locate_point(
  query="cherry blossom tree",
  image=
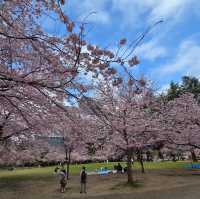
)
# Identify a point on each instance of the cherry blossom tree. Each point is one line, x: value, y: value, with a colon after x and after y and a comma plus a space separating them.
x: 39, y: 70
x: 73, y: 130
x: 180, y: 122
x: 44, y: 149
x: 123, y: 113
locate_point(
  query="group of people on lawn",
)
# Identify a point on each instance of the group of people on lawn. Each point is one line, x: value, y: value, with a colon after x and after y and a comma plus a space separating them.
x: 63, y: 179
x: 119, y: 168
x: 83, y: 177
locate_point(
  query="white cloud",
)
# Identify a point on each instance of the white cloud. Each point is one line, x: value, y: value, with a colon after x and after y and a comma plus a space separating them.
x: 151, y: 50
x: 169, y: 9
x: 86, y: 7
x: 133, y: 11
x: 101, y: 16
x: 185, y: 62
x: 132, y: 14
x: 163, y: 89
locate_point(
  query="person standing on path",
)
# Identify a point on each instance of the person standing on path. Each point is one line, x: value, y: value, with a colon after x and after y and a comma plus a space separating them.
x: 63, y: 180
x: 83, y: 176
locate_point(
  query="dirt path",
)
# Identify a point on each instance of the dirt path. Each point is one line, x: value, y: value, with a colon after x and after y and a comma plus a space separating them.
x: 185, y: 192
x: 155, y: 184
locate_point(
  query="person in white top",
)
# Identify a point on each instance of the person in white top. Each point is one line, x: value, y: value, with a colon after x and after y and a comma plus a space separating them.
x: 63, y: 180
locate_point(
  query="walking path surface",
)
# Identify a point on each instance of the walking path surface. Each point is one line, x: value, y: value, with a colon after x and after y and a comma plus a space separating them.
x: 154, y: 184
x: 185, y: 192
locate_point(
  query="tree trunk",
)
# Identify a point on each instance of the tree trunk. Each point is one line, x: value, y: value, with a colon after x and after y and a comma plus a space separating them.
x: 173, y: 157
x: 194, y: 157
x: 160, y: 155
x: 129, y: 167
x: 1, y: 131
x: 68, y: 163
x: 149, y: 156
x: 141, y: 161
x: 67, y: 158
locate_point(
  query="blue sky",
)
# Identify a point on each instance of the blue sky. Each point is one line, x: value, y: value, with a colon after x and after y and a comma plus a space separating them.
x: 170, y: 51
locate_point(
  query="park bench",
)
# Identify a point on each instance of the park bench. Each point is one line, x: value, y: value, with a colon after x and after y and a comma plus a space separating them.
x: 193, y: 166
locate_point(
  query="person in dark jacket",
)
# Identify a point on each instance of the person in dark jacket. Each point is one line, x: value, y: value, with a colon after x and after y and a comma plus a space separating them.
x: 119, y: 168
x: 83, y: 176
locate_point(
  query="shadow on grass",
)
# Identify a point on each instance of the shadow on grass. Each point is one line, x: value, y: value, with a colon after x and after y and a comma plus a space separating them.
x: 122, y: 185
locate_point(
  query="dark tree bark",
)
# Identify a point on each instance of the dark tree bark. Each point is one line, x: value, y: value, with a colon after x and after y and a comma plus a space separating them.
x: 193, y: 155
x: 141, y: 161
x: 68, y: 160
x: 173, y: 157
x: 160, y: 155
x: 149, y: 156
x: 129, y: 167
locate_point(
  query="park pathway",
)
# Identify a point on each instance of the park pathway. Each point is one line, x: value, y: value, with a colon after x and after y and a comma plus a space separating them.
x: 185, y: 192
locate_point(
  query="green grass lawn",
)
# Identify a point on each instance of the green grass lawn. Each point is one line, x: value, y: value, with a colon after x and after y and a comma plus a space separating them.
x: 37, y: 183
x: 45, y: 172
